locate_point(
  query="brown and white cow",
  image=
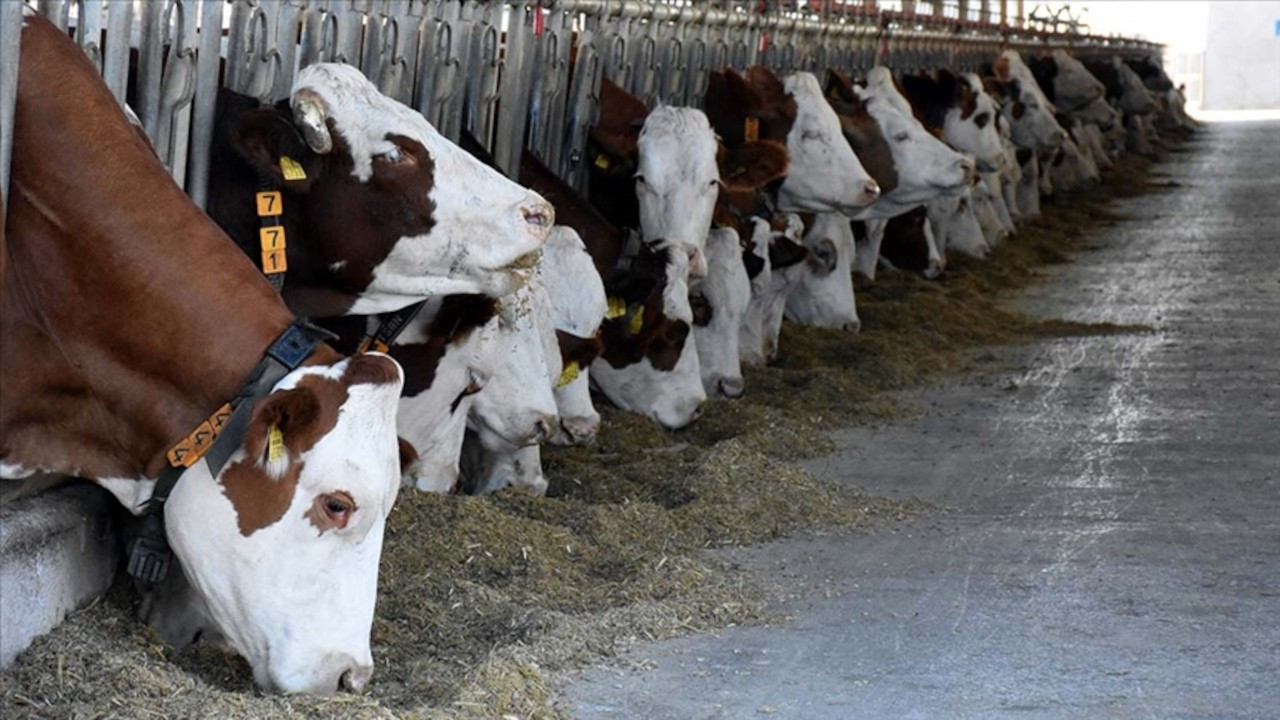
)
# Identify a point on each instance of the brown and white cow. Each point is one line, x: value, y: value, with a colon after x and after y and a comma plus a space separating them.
x: 128, y: 320
x: 380, y: 210
x: 1030, y: 114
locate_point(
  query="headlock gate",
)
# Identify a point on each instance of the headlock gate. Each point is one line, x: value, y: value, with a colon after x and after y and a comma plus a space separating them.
x: 514, y: 74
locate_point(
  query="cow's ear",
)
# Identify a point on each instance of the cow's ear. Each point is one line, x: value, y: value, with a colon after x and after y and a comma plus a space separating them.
x: 763, y: 79
x: 753, y: 165
x: 268, y: 141
x: 783, y: 252
x: 284, y: 425
x: 619, y: 147
x: 839, y: 86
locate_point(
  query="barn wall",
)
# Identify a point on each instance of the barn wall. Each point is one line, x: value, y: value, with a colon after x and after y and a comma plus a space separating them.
x: 1242, y: 56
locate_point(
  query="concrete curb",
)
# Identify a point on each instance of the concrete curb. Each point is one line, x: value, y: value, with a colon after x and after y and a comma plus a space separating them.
x: 58, y: 551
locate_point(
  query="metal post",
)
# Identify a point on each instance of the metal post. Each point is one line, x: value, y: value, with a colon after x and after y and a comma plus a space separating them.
x: 205, y: 100
x: 10, y: 49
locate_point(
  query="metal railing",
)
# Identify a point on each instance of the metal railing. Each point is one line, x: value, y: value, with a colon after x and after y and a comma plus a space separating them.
x: 514, y: 74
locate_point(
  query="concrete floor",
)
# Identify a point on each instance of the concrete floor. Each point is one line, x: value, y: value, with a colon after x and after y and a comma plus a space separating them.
x: 1112, y: 544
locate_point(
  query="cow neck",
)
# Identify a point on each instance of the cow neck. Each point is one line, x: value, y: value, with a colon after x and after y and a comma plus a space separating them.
x: 171, y: 316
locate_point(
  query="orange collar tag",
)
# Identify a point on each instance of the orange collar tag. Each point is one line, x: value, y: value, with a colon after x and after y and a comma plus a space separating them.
x: 274, y: 258
x: 269, y: 203
x: 751, y: 129
x: 193, y: 447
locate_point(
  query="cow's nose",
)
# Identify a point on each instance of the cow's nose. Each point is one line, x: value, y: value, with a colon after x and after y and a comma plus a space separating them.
x: 697, y: 412
x: 968, y: 166
x: 544, y: 428
x: 870, y: 191
x: 853, y: 327
x: 539, y: 216
x: 355, y: 678
x: 730, y: 387
x: 580, y: 431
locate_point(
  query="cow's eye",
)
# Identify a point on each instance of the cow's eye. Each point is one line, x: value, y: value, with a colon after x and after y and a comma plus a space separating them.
x: 982, y: 119
x: 901, y: 137
x: 394, y: 156
x: 811, y: 135
x: 639, y: 178
x: 337, y: 507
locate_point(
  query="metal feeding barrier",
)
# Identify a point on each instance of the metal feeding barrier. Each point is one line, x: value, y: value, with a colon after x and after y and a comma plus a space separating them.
x: 513, y: 74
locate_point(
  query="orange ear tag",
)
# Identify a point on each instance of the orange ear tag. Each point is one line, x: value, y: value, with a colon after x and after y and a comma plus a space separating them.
x: 637, y: 321
x: 571, y: 371
x: 602, y: 161
x: 269, y: 203
x: 617, y: 308
x: 751, y: 129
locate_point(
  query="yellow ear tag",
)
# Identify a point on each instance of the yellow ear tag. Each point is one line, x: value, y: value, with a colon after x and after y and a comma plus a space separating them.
x: 275, y: 444
x: 751, y: 129
x: 602, y: 161
x: 291, y: 169
x: 637, y: 321
x: 570, y: 374
x: 617, y: 308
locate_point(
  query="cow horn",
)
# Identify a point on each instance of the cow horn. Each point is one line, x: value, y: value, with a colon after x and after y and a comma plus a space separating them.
x: 309, y: 114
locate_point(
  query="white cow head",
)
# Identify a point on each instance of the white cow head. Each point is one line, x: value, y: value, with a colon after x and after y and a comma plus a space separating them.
x: 399, y: 211
x: 578, y: 308
x: 487, y: 470
x: 517, y: 407
x: 283, y: 546
x: 1135, y: 98
x: 719, y: 302
x: 444, y: 355
x: 926, y: 167
x: 677, y: 180
x: 955, y: 227
x: 1098, y: 112
x: 988, y: 209
x: 824, y: 296
x: 1073, y: 85
x: 1024, y: 105
x: 958, y: 109
x: 762, y: 323
x: 825, y: 175
x: 650, y: 364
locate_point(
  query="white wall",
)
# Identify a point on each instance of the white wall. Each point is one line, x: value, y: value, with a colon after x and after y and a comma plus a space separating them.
x: 1242, y: 56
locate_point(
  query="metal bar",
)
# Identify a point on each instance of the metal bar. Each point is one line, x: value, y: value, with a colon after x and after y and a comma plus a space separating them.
x: 115, y: 65
x: 206, y: 97
x: 10, y: 50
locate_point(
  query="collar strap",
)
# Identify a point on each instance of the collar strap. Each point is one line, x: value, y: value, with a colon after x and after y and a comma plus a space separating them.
x: 630, y: 249
x: 390, y: 328
x: 214, y: 440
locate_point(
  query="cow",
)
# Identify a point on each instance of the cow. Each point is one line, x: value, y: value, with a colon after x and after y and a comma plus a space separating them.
x: 786, y: 259
x: 924, y: 166
x: 646, y: 359
x: 955, y: 226
x: 821, y: 174
x: 649, y: 364
x: 379, y: 209
x: 956, y: 109
x: 1023, y: 103
x: 578, y: 306
x: 824, y: 295
x: 120, y: 388
x: 719, y: 302
x: 444, y: 353
x: 517, y: 408
x: 1124, y: 88
x: 906, y: 242
x: 1065, y: 81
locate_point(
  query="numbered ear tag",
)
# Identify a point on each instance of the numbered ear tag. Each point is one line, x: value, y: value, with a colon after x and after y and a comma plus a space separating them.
x: 617, y: 308
x: 275, y: 444
x: 637, y: 321
x: 571, y: 371
x: 269, y: 203
x: 751, y: 129
x: 602, y: 161
x: 291, y: 169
